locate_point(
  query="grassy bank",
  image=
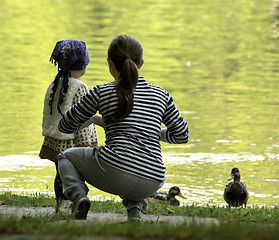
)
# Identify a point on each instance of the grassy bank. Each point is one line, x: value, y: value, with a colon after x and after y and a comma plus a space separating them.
x: 235, y: 223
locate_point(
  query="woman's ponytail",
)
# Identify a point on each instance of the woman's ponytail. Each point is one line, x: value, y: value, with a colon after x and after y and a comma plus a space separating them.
x: 126, y: 54
x: 125, y: 90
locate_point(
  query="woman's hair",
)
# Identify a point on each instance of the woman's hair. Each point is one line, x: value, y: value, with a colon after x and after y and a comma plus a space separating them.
x: 69, y: 54
x: 126, y: 54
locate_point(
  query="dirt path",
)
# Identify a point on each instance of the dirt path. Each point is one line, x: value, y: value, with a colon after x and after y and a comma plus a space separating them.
x: 101, y: 217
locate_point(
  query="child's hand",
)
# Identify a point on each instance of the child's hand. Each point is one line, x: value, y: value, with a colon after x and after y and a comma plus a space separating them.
x: 96, y: 119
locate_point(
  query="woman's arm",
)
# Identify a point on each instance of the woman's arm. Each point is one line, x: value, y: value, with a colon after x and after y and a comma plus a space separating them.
x: 77, y: 115
x: 177, y: 128
x: 83, y: 137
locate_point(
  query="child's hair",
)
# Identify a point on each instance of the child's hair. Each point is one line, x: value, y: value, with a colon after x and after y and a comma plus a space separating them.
x: 126, y: 54
x: 69, y: 54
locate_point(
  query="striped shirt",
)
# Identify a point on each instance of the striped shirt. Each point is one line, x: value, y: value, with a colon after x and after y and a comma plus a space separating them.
x: 132, y: 145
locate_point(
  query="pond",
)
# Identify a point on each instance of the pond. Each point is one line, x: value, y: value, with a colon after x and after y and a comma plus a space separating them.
x: 218, y: 59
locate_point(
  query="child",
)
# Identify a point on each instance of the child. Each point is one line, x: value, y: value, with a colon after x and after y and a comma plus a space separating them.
x: 130, y: 164
x: 65, y: 91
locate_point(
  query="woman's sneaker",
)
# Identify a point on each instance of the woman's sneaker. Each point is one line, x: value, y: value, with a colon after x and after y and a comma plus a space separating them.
x: 135, y: 215
x: 80, y: 207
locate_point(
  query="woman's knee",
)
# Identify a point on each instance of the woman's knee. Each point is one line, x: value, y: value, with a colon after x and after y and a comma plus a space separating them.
x: 71, y: 154
x: 63, y: 155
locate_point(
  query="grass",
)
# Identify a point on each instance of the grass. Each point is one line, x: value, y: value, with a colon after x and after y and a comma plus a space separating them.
x: 235, y: 223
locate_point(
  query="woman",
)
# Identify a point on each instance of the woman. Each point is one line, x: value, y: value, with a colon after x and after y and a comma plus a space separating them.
x: 130, y: 164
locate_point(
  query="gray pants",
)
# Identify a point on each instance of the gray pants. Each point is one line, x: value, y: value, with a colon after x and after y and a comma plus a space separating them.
x: 77, y: 165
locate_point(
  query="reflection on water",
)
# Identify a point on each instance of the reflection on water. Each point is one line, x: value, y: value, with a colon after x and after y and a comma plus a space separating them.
x: 201, y: 176
x: 217, y: 59
x: 25, y: 173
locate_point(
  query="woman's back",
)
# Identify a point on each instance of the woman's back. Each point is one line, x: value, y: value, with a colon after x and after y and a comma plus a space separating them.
x: 144, y: 121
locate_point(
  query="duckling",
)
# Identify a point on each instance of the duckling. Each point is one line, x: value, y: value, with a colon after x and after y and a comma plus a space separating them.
x: 167, y: 197
x: 236, y: 193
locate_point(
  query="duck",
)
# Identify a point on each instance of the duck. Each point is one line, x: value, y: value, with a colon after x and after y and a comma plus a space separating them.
x: 167, y: 197
x: 236, y: 193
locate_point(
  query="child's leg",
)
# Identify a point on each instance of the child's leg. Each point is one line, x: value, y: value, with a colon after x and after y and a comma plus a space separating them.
x: 58, y: 186
x: 62, y: 202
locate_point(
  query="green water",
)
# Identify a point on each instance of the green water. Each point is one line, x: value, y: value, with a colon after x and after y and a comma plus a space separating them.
x: 218, y: 59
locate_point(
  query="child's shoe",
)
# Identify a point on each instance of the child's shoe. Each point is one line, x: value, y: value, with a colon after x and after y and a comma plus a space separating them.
x: 80, y: 207
x: 63, y: 206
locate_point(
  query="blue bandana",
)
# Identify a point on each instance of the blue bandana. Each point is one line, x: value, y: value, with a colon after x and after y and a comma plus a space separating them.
x: 70, y: 54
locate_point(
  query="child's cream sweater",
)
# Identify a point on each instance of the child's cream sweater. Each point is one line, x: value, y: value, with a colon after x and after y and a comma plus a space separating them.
x: 50, y: 122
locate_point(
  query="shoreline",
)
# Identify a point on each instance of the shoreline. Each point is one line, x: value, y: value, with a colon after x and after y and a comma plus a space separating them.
x: 103, y: 217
